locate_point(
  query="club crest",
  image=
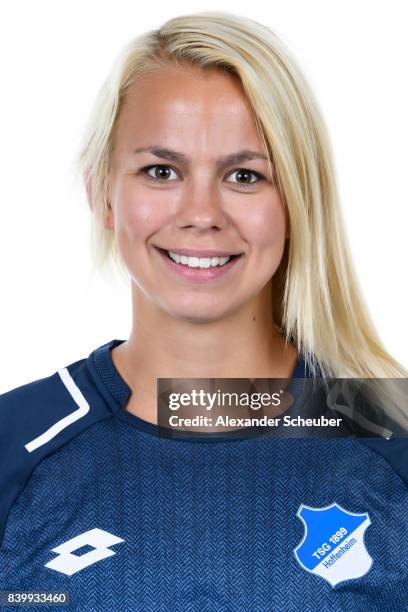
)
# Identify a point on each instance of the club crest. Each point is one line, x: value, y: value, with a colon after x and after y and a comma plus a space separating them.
x: 333, y: 543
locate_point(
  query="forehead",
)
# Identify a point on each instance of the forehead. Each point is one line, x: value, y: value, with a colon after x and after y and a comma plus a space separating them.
x: 186, y: 105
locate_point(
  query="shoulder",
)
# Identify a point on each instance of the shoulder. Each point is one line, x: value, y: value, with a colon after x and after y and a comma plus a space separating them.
x: 394, y: 451
x: 37, y: 418
x: 26, y: 410
x: 33, y: 414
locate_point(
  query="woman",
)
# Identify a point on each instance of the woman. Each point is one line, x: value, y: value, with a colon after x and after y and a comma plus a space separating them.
x: 209, y: 175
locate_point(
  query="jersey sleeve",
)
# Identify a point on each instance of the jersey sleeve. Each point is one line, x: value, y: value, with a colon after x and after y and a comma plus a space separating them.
x: 36, y: 419
x: 394, y: 451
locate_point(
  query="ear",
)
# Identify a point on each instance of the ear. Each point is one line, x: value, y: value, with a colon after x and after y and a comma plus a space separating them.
x: 88, y: 189
x: 109, y: 220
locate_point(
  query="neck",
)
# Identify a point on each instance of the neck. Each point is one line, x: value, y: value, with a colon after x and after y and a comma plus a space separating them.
x: 245, y: 344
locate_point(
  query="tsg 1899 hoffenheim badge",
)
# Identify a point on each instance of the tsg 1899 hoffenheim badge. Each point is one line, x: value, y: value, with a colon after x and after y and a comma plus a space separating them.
x: 333, y: 543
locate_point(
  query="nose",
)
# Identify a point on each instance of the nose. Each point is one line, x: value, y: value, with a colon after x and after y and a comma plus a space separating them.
x: 200, y: 205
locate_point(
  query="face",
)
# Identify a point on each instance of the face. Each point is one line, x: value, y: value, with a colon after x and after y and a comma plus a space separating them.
x: 189, y: 175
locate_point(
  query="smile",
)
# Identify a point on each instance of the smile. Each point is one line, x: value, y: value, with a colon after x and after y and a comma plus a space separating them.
x: 198, y: 262
x: 195, y: 268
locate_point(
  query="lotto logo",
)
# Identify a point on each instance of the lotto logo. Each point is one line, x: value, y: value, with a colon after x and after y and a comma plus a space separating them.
x: 69, y: 563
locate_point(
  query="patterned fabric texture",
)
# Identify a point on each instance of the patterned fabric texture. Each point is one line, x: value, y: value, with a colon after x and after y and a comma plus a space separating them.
x: 205, y: 527
x: 123, y: 520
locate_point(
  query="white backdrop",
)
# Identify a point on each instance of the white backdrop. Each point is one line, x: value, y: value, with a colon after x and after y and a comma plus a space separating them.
x: 54, y: 57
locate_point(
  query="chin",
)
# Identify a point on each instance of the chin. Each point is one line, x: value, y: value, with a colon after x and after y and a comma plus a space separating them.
x: 197, y: 314
x: 196, y: 317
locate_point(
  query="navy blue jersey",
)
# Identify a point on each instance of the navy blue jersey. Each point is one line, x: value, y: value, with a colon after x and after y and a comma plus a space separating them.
x: 94, y: 504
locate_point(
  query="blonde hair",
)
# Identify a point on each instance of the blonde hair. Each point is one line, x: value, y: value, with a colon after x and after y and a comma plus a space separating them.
x: 317, y: 300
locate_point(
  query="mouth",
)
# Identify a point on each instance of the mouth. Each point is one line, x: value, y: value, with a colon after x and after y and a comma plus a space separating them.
x: 209, y: 259
x: 201, y: 268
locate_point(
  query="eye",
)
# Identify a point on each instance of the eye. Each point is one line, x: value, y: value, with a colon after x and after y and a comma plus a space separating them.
x: 163, y: 173
x: 245, y: 177
x: 160, y: 172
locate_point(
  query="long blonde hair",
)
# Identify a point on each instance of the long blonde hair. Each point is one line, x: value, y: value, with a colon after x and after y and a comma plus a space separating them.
x: 317, y: 300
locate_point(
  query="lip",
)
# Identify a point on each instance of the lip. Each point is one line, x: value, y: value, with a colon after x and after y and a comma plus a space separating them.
x: 197, y: 274
x: 200, y: 253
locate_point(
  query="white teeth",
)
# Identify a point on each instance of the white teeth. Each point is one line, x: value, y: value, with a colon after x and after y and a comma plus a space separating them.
x: 195, y: 262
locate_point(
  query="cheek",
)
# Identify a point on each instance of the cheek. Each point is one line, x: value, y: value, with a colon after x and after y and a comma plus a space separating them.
x: 138, y: 215
x: 265, y: 225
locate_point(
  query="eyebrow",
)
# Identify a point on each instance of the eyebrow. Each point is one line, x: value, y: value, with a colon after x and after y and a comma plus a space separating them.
x: 176, y: 156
